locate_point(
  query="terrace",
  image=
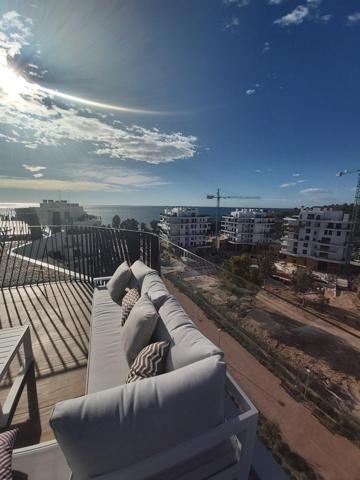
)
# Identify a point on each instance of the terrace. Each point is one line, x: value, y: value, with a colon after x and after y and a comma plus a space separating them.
x: 46, y: 280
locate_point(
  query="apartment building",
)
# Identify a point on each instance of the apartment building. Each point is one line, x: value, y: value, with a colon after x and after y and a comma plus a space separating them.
x: 185, y: 227
x: 317, y: 238
x: 248, y: 226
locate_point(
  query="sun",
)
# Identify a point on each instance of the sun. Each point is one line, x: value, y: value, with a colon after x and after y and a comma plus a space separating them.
x: 11, y: 83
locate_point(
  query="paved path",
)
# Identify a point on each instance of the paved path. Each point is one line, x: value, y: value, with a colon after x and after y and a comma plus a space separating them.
x: 332, y: 456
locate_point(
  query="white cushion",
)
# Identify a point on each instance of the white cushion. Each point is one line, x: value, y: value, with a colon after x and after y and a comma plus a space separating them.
x: 139, y: 270
x: 119, y: 281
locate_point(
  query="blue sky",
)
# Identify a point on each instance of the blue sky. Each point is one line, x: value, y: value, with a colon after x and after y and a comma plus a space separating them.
x: 257, y: 97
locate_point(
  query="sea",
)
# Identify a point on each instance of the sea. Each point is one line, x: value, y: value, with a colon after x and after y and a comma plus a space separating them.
x: 143, y: 213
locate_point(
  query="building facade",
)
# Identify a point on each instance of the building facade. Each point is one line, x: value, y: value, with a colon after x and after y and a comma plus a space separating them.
x: 248, y: 226
x: 185, y: 227
x: 317, y: 238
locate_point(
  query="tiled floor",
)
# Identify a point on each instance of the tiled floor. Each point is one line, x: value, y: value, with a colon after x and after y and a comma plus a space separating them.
x: 59, y: 318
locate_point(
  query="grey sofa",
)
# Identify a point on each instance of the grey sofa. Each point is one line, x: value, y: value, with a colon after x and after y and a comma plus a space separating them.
x: 193, y: 422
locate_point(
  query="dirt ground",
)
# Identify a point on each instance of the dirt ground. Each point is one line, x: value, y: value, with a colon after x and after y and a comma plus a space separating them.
x: 327, y: 343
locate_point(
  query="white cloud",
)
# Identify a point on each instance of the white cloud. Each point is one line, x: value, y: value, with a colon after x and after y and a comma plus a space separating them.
x: 286, y: 185
x: 275, y: 2
x: 266, y: 47
x: 257, y: 170
x: 38, y: 175
x: 296, y: 174
x: 295, y: 17
x: 232, y: 24
x: 354, y: 18
x: 316, y: 191
x: 33, y: 168
x: 325, y: 18
x: 300, y: 181
x: 37, y: 120
x: 237, y: 3
x: 250, y: 91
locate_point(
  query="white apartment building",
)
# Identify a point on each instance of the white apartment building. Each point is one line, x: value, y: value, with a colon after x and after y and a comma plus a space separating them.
x: 248, y: 226
x: 317, y: 238
x: 185, y: 227
x: 60, y: 212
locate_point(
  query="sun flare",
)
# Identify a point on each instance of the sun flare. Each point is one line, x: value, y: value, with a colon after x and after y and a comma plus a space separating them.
x: 11, y: 82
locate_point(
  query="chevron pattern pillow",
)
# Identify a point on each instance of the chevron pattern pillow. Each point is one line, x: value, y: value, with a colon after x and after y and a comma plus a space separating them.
x: 149, y: 362
x: 129, y: 300
x: 7, y: 440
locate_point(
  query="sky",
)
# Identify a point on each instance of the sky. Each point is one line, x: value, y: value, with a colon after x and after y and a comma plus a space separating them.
x: 160, y: 102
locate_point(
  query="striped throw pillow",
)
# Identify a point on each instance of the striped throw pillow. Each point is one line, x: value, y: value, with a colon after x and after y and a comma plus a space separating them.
x: 7, y: 440
x: 149, y: 362
x: 129, y: 300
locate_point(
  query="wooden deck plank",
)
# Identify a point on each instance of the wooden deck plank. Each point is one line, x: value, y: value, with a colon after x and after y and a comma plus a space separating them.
x: 59, y: 319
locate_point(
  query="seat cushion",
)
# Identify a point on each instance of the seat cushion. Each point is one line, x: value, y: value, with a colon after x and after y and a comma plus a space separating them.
x: 188, y: 344
x: 119, y: 281
x: 107, y: 363
x: 155, y: 288
x: 118, y: 427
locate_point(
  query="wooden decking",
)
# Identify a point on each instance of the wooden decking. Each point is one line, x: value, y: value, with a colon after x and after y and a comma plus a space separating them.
x: 59, y: 318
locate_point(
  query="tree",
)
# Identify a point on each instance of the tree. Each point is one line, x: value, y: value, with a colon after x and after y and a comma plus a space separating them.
x: 266, y: 263
x: 116, y: 221
x: 303, y: 281
x: 143, y: 227
x: 154, y: 225
x: 130, y: 224
x: 241, y: 266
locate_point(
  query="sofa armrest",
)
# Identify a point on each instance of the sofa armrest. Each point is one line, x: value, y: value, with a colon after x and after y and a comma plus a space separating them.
x: 100, y: 281
x: 241, y: 425
x: 36, y: 461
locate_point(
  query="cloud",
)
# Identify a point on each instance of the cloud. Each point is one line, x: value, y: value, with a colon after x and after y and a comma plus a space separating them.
x: 300, y: 181
x: 38, y: 175
x: 286, y: 185
x: 37, y: 119
x: 258, y: 170
x: 295, y: 17
x: 33, y: 168
x: 296, y: 174
x: 250, y: 91
x: 266, y: 47
x: 275, y: 2
x: 237, y: 3
x: 232, y: 24
x: 325, y: 18
x: 316, y: 191
x: 354, y: 18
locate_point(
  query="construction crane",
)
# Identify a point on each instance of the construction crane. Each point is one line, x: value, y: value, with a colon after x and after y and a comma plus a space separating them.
x: 218, y: 198
x: 353, y: 252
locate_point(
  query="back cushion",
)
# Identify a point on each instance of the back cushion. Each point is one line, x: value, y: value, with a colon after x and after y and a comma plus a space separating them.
x: 155, y: 288
x: 187, y: 343
x: 115, y: 428
x: 139, y: 270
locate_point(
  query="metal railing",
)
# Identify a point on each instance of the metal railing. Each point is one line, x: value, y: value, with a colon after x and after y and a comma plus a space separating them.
x: 35, y: 254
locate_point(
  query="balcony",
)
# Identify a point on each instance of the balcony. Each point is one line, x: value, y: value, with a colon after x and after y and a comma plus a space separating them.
x: 46, y: 281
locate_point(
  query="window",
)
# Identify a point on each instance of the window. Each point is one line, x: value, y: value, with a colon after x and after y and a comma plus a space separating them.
x: 304, y: 252
x: 308, y: 230
x: 338, y: 234
x: 307, y: 237
x: 306, y: 244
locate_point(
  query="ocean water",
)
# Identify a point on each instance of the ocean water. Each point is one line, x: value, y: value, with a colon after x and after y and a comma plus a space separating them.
x: 143, y: 213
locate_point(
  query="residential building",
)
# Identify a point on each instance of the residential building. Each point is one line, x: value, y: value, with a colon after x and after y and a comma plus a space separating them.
x: 185, y: 227
x: 317, y: 238
x: 58, y: 212
x: 248, y: 226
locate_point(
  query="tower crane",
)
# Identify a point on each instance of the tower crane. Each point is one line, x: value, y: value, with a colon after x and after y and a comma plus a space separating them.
x: 354, y: 239
x: 218, y: 198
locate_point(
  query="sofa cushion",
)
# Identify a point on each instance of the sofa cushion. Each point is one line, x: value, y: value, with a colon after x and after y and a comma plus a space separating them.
x: 7, y: 441
x: 149, y: 362
x: 154, y: 286
x: 120, y: 426
x: 188, y: 344
x: 119, y: 281
x: 129, y: 300
x: 107, y: 362
x: 139, y: 327
x: 139, y: 270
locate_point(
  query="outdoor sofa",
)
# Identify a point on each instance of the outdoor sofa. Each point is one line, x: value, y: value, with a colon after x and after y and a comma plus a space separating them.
x: 190, y: 423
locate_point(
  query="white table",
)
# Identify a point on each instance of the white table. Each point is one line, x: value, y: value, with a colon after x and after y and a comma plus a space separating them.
x: 11, y: 340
